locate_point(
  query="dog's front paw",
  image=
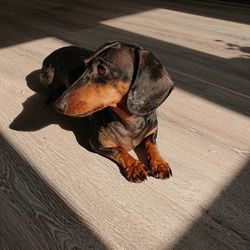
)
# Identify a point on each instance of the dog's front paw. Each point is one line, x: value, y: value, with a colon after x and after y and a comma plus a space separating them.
x: 136, y: 171
x: 159, y: 169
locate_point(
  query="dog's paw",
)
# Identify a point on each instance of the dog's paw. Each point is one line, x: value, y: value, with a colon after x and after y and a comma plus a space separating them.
x: 136, y: 172
x: 159, y: 169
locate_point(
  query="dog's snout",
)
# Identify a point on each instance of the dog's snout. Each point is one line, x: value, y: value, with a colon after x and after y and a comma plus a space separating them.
x: 60, y: 106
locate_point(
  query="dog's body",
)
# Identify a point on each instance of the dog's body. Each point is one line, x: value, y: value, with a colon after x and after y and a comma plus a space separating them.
x: 120, y: 89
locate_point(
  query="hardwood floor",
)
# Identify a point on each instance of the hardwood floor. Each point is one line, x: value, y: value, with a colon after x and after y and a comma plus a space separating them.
x: 57, y: 194
x: 33, y: 216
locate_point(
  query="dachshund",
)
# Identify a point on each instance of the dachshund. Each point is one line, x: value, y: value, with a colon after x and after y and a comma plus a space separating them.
x: 121, y: 87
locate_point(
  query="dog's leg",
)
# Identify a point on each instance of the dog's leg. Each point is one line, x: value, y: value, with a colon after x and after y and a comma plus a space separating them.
x: 134, y: 170
x: 158, y: 167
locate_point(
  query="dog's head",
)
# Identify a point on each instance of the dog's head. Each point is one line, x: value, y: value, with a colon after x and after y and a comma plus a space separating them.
x: 118, y: 71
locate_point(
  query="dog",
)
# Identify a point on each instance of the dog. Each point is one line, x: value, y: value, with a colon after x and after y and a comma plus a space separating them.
x: 121, y: 87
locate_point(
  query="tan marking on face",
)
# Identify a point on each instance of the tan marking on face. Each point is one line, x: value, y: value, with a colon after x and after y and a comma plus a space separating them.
x: 91, y: 98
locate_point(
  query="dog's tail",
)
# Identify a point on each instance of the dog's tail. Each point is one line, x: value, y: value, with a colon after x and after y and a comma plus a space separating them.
x: 47, y: 75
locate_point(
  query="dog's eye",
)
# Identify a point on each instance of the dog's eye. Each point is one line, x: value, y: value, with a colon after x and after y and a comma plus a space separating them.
x: 101, y: 70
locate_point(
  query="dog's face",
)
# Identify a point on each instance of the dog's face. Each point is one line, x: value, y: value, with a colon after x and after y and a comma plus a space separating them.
x: 104, y: 83
x: 114, y: 73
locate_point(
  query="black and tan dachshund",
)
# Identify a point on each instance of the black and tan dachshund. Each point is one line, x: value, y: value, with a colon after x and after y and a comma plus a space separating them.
x: 119, y: 89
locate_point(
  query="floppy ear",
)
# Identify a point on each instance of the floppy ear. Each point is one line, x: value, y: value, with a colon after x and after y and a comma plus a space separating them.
x: 151, y: 85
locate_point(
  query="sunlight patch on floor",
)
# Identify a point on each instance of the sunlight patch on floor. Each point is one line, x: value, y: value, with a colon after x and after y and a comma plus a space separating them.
x: 210, y: 35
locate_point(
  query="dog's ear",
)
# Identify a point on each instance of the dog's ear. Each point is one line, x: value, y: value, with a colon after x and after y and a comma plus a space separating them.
x: 151, y: 84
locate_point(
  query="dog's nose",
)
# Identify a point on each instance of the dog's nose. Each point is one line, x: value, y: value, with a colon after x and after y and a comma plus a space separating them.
x: 60, y: 106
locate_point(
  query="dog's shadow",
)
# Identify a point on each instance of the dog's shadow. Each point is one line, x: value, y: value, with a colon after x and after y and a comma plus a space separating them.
x: 37, y: 115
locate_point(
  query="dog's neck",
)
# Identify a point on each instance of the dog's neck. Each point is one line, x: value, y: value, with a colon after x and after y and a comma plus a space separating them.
x: 122, y: 111
x: 139, y: 126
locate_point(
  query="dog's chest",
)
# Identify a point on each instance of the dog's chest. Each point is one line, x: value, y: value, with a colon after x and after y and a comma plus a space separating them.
x: 124, y: 135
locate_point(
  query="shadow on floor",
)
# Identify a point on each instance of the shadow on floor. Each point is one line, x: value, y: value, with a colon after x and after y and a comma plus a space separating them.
x: 32, y: 214
x: 225, y: 222
x: 37, y: 115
